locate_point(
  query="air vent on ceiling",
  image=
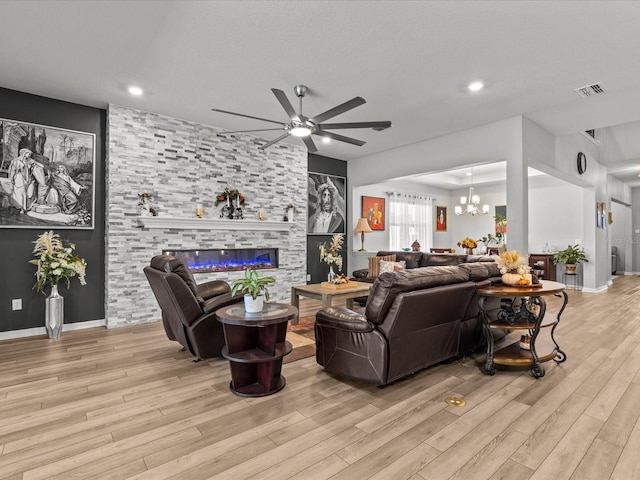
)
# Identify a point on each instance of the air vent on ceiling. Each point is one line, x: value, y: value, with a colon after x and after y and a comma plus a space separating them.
x: 591, y: 90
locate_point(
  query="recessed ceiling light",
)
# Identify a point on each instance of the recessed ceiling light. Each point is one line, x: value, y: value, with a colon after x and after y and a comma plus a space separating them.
x: 328, y: 140
x: 137, y: 91
x: 475, y: 86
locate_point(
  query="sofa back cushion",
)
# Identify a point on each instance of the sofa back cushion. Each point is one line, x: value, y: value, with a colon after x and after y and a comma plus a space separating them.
x: 411, y: 259
x: 388, y: 285
x: 441, y: 259
x: 478, y: 271
x: 374, y: 263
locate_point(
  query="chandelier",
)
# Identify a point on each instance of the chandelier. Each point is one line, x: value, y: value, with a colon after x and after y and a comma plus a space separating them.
x: 471, y: 205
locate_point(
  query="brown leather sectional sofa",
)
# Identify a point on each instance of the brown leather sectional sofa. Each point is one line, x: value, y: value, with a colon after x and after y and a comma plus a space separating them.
x: 413, y: 318
x: 422, y: 259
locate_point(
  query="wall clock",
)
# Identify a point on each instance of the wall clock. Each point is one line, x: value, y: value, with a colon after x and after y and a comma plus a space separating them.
x: 582, y: 163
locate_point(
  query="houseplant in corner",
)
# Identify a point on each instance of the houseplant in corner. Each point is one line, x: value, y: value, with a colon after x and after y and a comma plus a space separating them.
x: 254, y: 289
x: 571, y: 257
x: 56, y: 262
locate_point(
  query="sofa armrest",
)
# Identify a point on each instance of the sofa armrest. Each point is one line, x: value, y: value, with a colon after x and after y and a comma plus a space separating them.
x: 343, y: 319
x: 213, y: 288
x: 361, y: 273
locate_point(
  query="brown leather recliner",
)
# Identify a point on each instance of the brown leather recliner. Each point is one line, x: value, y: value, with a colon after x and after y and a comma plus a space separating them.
x: 188, y: 309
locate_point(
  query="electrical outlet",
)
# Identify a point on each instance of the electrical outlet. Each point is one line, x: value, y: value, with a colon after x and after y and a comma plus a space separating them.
x: 16, y: 304
x: 308, y: 277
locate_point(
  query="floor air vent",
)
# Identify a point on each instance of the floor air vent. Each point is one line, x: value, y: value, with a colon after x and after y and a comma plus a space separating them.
x: 591, y: 90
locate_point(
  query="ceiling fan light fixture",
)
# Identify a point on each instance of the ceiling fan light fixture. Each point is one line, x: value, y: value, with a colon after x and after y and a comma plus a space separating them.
x: 300, y: 131
x: 475, y: 86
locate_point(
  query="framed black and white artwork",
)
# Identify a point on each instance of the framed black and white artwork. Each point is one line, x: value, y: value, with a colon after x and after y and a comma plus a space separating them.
x: 327, y: 204
x: 47, y: 176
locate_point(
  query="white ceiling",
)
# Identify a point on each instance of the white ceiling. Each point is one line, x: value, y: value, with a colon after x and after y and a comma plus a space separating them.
x: 411, y: 61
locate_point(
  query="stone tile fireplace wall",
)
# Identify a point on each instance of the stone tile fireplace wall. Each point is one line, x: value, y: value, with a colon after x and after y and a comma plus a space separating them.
x: 182, y: 164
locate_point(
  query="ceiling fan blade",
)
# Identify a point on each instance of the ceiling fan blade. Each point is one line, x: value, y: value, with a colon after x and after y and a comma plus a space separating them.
x: 268, y: 144
x: 286, y: 104
x: 309, y: 143
x: 248, y: 116
x: 249, y: 131
x: 374, y: 125
x: 345, y: 107
x: 340, y: 138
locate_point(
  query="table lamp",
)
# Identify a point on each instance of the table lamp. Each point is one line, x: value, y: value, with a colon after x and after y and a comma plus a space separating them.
x: 362, y: 227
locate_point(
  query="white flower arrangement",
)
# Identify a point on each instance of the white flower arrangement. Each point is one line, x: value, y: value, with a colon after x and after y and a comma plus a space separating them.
x: 56, y: 262
x: 329, y: 253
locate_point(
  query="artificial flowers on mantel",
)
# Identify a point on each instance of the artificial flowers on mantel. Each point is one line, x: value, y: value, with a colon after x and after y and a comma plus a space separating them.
x: 144, y: 204
x: 232, y: 197
x: 235, y: 201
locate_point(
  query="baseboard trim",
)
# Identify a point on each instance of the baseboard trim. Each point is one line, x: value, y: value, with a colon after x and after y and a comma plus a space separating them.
x: 34, y: 332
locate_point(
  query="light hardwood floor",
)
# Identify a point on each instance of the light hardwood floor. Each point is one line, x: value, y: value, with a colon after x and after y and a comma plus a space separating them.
x: 126, y: 403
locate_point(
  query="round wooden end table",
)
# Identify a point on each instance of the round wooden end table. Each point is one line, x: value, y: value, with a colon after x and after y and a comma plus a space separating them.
x: 255, y: 347
x: 522, y: 308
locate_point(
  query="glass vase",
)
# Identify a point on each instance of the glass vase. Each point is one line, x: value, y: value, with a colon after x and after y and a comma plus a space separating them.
x: 332, y: 275
x: 54, y: 313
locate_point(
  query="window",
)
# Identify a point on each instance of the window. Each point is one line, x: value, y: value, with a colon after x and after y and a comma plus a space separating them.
x: 410, y: 218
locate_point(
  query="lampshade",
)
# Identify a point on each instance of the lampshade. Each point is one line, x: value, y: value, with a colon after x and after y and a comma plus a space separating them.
x: 362, y: 227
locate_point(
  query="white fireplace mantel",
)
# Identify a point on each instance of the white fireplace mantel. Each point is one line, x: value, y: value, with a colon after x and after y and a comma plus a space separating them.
x: 195, y: 223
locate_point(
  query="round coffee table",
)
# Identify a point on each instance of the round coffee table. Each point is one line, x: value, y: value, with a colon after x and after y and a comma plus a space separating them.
x: 255, y: 347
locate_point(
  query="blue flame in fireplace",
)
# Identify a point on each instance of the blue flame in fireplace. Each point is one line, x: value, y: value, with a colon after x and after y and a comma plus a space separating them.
x: 227, y: 260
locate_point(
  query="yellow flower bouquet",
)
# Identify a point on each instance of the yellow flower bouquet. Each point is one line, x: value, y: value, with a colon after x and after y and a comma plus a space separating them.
x: 468, y: 243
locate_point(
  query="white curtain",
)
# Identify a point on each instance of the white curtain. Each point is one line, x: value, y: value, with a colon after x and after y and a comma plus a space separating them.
x: 410, y: 218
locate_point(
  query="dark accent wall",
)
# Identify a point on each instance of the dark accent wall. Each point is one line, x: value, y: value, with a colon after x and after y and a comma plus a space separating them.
x: 319, y: 270
x: 82, y: 303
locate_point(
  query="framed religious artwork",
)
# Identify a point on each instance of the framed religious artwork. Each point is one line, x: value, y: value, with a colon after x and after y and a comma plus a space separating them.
x: 327, y: 204
x: 441, y: 219
x: 47, y: 176
x: 373, y: 209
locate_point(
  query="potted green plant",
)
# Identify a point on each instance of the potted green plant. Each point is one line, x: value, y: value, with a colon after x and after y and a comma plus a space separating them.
x: 254, y: 289
x: 570, y: 256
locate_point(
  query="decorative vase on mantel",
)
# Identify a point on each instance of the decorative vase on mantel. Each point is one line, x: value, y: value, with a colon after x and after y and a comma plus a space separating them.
x: 144, y: 208
x: 54, y: 313
x: 290, y: 212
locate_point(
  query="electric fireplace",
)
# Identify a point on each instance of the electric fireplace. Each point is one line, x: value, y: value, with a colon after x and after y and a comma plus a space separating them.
x: 227, y: 259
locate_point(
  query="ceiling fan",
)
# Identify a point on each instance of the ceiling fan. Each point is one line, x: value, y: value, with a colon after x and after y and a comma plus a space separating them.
x: 303, y: 127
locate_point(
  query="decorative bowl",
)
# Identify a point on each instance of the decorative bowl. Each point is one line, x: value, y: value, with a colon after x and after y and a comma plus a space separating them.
x: 407, y: 249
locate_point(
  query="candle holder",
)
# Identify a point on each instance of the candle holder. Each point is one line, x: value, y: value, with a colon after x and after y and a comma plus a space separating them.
x: 199, y: 210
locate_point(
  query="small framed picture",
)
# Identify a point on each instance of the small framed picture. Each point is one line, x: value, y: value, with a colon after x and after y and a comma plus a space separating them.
x: 600, y: 214
x: 441, y: 219
x: 374, y: 211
